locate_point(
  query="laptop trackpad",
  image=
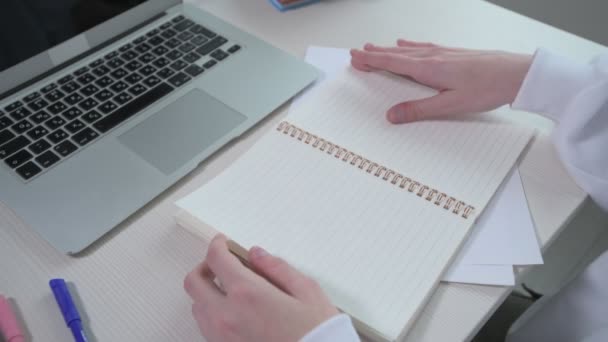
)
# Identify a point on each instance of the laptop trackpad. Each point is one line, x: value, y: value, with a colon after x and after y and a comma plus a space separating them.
x: 177, y: 133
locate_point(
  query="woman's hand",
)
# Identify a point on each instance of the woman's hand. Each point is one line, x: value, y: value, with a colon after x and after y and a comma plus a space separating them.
x: 246, y: 306
x: 468, y: 81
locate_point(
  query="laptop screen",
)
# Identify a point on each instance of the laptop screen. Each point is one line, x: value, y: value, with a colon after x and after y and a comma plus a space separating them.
x: 28, y: 27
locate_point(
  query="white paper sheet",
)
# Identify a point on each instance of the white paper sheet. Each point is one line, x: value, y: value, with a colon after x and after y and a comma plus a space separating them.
x: 504, y: 236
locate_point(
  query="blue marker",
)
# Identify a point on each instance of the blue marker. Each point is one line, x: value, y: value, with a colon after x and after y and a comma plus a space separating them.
x: 68, y: 309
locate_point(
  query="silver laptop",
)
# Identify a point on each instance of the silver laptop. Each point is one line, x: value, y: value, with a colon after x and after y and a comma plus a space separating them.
x: 106, y: 103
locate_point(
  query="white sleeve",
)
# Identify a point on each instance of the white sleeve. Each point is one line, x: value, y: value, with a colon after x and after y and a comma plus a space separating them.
x: 576, y: 96
x: 336, y: 329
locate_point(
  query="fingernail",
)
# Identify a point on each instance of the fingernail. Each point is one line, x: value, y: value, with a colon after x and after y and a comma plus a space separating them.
x: 397, y: 115
x: 368, y: 45
x: 258, y: 252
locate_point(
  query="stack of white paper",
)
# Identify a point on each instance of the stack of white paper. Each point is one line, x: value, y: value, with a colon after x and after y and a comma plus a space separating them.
x: 504, y: 235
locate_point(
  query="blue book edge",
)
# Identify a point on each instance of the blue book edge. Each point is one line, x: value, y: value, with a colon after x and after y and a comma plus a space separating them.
x: 298, y: 4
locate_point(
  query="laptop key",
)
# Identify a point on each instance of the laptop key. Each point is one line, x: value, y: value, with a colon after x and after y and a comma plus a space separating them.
x: 5, y: 122
x: 86, y: 79
x: 184, y: 24
x: 115, y: 63
x: 129, y: 55
x: 152, y: 32
x: 96, y: 63
x: 137, y: 89
x: 133, y: 78
x: 72, y: 113
x: 65, y: 148
x: 147, y: 58
x: 81, y: 71
x: 168, y: 34
x: 133, y: 65
x: 166, y: 73
x: 28, y: 170
x: 192, y: 57
x: 48, y: 88
x: 85, y: 136
x: 147, y: 70
x: 186, y: 47
x: 119, y: 73
x: 211, y: 45
x: 18, y: 158
x: 143, y: 48
x: 89, y: 90
x: 47, y: 159
x: 101, y: 70
x: 185, y: 36
x: 203, y: 30
x: 74, y: 126
x: 179, y: 79
x: 72, y: 86
x: 38, y: 104
x: 125, y: 47
x: 119, y: 86
x: 40, y: 117
x: 37, y: 132
x: 161, y: 62
x: 65, y: 79
x: 107, y: 107
x: 122, y: 98
x: 6, y: 136
x: 13, y: 106
x: 104, y: 81
x: 111, y: 55
x: 234, y: 48
x: 39, y: 146
x: 21, y: 126
x: 178, y: 18
x: 210, y: 64
x: 155, y: 41
x: 73, y: 99
x: 31, y: 97
x: 194, y: 70
x: 173, y: 43
x: 54, y: 123
x: 151, y: 81
x: 57, y: 136
x: 88, y: 104
x: 173, y: 55
x: 104, y: 94
x: 20, y: 113
x: 57, y: 107
x: 13, y: 146
x: 178, y: 65
x: 54, y: 95
x: 91, y: 116
x: 219, y: 54
x: 165, y: 25
x: 160, y: 50
x: 199, y: 40
x: 132, y: 108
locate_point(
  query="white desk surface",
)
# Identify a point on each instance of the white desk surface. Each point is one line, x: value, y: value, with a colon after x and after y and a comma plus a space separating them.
x: 130, y: 283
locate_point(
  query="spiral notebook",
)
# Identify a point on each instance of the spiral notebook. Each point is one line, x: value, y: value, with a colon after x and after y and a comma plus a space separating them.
x: 374, y: 212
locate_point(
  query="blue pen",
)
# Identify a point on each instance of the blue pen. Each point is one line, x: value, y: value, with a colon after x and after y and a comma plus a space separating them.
x: 68, y: 309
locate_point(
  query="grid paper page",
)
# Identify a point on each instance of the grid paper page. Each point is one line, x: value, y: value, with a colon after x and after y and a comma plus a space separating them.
x: 376, y: 251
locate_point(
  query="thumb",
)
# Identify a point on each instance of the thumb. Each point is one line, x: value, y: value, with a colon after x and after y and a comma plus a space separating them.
x: 445, y: 103
x: 281, y: 274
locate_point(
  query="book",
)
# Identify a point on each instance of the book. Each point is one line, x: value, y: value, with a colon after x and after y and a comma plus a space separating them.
x: 374, y: 212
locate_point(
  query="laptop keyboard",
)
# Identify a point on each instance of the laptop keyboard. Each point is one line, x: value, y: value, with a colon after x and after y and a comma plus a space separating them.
x: 55, y: 121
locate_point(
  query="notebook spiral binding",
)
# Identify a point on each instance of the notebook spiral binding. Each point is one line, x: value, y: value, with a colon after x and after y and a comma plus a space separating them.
x: 434, y: 196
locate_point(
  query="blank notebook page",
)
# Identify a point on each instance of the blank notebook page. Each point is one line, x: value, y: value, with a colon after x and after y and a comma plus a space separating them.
x: 376, y: 249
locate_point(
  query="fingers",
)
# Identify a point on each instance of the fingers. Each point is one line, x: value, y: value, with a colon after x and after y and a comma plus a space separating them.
x: 411, y: 43
x: 226, y: 267
x: 447, y: 103
x: 281, y: 274
x: 396, y: 63
x: 200, y: 286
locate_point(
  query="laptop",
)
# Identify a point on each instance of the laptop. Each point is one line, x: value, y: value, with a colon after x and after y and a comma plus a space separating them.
x: 106, y: 103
